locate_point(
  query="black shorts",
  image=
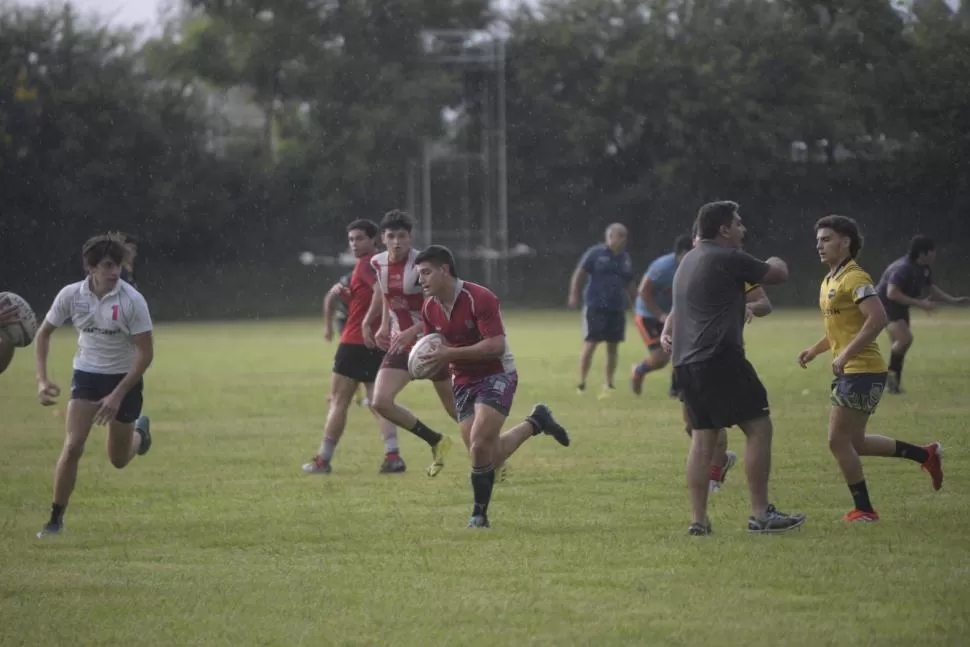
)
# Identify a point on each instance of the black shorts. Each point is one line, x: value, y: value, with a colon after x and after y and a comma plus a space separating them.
x: 650, y: 330
x: 358, y: 362
x: 604, y: 325
x: 721, y: 392
x: 91, y: 387
x: 895, y: 311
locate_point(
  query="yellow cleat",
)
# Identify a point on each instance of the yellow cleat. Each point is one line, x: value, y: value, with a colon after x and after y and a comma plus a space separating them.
x: 438, y: 452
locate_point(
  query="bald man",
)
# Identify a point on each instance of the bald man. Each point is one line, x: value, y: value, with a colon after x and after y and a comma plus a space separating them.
x: 607, y: 272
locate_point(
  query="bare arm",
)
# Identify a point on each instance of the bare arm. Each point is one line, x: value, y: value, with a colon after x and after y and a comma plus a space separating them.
x: 144, y: 354
x: 42, y: 347
x: 940, y: 295
x: 896, y: 294
x: 576, y: 285
x: 875, y: 321
x: 376, y: 305
x: 819, y: 347
x: 758, y: 302
x: 646, y: 293
x: 328, y: 309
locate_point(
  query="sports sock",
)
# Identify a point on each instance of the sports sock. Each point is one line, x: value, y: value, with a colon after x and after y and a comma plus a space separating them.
x: 483, y: 480
x: 860, y: 496
x: 911, y: 452
x: 57, y: 513
x: 425, y: 433
x: 327, y: 448
x: 391, y: 446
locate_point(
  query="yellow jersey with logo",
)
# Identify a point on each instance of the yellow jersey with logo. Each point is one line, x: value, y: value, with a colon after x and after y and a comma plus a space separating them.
x: 842, y: 292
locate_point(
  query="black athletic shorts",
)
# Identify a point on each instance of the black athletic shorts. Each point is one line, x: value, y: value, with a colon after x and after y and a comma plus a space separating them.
x: 721, y: 392
x: 895, y: 311
x: 358, y: 362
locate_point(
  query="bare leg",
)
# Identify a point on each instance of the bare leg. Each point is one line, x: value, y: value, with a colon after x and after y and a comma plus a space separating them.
x: 699, y: 471
x: 757, y: 462
x: 612, y: 359
x: 586, y: 361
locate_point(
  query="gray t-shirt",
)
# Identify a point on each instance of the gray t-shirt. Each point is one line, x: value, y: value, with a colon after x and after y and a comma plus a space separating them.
x: 709, y: 290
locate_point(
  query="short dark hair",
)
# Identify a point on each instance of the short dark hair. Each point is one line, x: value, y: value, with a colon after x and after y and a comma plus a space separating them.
x: 369, y: 227
x: 844, y: 226
x: 714, y: 215
x: 111, y: 245
x: 683, y: 244
x: 920, y: 245
x: 438, y: 255
x: 396, y: 220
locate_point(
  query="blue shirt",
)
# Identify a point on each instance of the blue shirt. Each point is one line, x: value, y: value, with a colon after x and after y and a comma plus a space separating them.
x: 661, y: 274
x: 609, y: 274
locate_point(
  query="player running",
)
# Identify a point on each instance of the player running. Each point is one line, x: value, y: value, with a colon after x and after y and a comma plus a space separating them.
x: 853, y: 321
x: 654, y: 299
x: 355, y: 363
x: 469, y: 317
x: 335, y: 318
x: 115, y: 348
x: 398, y: 304
x: 904, y: 284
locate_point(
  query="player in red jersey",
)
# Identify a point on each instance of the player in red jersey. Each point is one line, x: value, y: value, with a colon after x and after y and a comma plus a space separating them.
x: 483, y: 371
x: 398, y: 304
x: 355, y: 363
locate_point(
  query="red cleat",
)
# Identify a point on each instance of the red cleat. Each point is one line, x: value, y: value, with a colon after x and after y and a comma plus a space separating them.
x: 859, y: 515
x: 934, y: 464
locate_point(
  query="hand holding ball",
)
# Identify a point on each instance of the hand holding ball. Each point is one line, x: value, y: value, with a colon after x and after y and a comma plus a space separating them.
x: 420, y: 366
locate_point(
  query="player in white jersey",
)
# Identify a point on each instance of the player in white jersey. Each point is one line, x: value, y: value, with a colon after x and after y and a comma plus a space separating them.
x: 8, y: 315
x: 398, y: 302
x: 115, y: 348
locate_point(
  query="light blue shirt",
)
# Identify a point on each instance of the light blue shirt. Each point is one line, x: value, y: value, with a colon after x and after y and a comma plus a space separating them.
x: 661, y: 274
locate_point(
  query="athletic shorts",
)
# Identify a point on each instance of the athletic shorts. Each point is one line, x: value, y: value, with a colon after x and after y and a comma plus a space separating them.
x: 496, y: 391
x: 721, y: 392
x: 650, y: 330
x: 858, y: 391
x: 895, y: 311
x: 91, y: 387
x: 358, y: 362
x: 399, y: 361
x: 604, y: 325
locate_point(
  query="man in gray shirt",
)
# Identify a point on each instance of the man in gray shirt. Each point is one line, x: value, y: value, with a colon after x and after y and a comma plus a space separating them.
x: 720, y: 387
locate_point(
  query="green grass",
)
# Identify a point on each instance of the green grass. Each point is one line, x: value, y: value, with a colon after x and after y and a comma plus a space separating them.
x: 217, y: 538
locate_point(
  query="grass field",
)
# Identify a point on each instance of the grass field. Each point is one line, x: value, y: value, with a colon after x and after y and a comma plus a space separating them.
x: 217, y: 538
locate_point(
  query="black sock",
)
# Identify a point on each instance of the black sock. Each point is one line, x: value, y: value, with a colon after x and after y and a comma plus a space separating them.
x: 536, y: 427
x: 483, y: 479
x: 860, y: 495
x: 57, y: 513
x: 425, y: 433
x: 912, y: 452
x: 896, y: 363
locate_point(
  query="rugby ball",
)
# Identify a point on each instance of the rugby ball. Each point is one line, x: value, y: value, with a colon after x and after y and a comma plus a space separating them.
x: 419, y: 368
x: 22, y: 333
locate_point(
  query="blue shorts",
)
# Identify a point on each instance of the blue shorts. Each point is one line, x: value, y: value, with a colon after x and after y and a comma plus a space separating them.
x: 858, y: 391
x: 604, y: 325
x: 94, y: 386
x: 496, y: 391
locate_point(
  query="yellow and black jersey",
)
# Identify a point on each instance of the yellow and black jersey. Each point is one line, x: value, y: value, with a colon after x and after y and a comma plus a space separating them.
x: 839, y: 298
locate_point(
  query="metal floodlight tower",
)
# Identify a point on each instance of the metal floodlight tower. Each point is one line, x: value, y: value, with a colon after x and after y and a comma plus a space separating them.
x: 472, y: 50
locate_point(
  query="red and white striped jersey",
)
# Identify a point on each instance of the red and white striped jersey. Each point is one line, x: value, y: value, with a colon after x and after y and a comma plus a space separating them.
x: 401, y: 289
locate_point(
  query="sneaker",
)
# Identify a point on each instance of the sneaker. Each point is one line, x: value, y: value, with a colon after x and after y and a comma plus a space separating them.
x: 775, y: 522
x: 934, y: 464
x: 438, y: 454
x: 393, y: 464
x: 478, y: 521
x: 700, y: 529
x: 636, y: 380
x: 541, y: 416
x: 143, y: 427
x: 718, y: 483
x: 50, y: 529
x: 318, y: 466
x: 859, y: 515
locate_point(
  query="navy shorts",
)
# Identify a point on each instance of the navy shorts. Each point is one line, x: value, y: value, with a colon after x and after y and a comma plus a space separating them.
x: 94, y: 386
x: 604, y: 325
x: 496, y: 391
x: 858, y: 391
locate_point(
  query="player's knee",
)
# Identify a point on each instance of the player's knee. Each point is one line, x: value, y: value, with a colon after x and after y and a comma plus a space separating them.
x: 73, y: 450
x: 382, y: 403
x: 838, y: 443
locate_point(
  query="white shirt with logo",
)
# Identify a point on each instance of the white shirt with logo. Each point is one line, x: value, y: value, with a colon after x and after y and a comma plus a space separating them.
x: 105, y: 326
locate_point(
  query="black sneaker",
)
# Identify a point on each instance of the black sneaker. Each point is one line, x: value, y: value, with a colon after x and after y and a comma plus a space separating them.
x: 700, y: 529
x: 775, y: 522
x: 393, y: 464
x: 541, y: 416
